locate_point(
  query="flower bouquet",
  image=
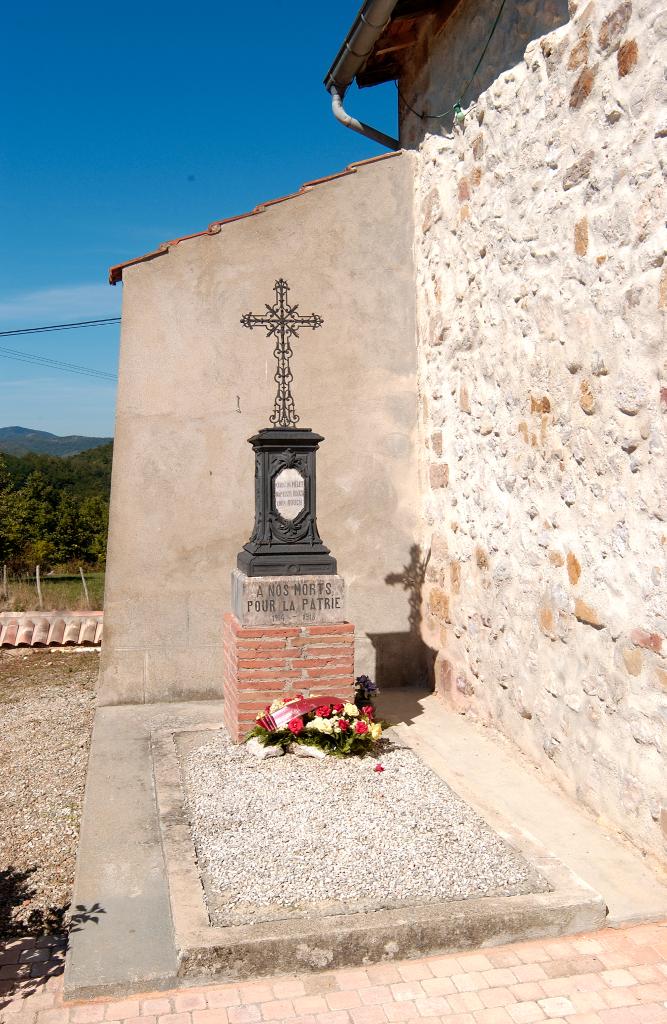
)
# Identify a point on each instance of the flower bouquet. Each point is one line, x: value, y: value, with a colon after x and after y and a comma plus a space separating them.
x: 338, y: 728
x: 365, y: 692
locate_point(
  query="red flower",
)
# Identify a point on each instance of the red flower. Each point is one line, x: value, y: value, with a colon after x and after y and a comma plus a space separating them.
x: 338, y: 708
x: 360, y: 728
x: 343, y: 724
x: 296, y: 726
x: 323, y: 712
x: 367, y: 710
x: 378, y: 768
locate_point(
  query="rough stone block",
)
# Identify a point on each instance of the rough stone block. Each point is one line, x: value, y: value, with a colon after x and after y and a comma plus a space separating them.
x: 586, y: 614
x: 651, y: 641
x: 581, y: 89
x: 614, y: 26
x: 626, y: 57
x: 578, y: 171
x: 439, y: 475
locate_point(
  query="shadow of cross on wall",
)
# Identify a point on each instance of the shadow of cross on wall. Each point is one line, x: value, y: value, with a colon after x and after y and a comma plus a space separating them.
x: 403, y: 659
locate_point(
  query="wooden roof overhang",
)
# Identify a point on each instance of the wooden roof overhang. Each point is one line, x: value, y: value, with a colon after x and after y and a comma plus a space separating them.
x: 395, y: 44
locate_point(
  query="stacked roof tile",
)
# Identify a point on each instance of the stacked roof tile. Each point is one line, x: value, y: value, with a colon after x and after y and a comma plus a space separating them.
x: 50, y: 629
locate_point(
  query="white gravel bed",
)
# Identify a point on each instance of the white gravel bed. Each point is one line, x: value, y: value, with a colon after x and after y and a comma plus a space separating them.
x: 294, y: 833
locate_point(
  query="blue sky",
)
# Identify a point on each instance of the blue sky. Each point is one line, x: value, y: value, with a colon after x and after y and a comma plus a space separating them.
x: 125, y: 126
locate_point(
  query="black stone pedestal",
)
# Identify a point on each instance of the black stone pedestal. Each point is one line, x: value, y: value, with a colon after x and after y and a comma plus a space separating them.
x: 285, y: 540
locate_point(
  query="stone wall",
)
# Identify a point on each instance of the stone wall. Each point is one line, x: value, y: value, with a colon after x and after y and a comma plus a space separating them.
x: 194, y: 385
x: 542, y: 297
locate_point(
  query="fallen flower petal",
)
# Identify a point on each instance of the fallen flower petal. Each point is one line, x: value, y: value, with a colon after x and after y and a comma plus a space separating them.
x: 378, y: 768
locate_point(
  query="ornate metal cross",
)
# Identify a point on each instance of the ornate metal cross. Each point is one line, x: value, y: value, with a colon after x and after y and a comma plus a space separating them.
x: 282, y: 322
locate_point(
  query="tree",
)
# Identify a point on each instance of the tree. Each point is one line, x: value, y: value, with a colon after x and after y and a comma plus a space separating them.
x: 10, y: 517
x: 5, y: 475
x: 94, y: 519
x: 54, y: 510
x: 67, y: 533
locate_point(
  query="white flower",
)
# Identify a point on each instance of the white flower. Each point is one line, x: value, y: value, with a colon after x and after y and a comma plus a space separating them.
x: 320, y: 725
x: 351, y: 710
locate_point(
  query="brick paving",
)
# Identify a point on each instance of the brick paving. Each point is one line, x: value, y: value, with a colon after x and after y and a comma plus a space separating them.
x: 616, y: 976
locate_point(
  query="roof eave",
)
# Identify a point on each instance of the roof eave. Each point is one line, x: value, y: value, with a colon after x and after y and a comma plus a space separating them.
x: 370, y: 22
x: 380, y: 60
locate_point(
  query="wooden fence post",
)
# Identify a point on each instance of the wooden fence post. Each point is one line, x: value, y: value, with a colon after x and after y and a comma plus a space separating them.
x: 85, y: 588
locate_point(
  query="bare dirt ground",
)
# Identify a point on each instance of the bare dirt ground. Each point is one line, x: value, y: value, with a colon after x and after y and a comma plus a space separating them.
x: 46, y: 713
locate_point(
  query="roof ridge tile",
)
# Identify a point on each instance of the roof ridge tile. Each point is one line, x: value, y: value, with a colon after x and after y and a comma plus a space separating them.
x: 375, y: 159
x: 328, y: 177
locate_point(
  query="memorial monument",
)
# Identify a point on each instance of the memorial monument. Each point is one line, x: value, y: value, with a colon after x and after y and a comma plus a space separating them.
x: 287, y: 631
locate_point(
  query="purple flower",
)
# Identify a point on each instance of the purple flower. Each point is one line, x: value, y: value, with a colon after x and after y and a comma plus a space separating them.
x: 366, y: 687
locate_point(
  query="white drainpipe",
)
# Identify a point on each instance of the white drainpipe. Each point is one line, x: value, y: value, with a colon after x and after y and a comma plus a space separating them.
x: 341, y: 114
x: 371, y: 22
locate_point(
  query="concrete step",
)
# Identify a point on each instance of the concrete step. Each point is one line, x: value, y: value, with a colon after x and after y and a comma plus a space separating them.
x: 505, y: 787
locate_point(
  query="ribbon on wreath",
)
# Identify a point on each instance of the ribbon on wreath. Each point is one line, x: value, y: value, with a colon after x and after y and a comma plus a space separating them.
x: 278, y: 719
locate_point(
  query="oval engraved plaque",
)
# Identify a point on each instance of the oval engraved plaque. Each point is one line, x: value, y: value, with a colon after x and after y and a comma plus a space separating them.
x: 289, y: 493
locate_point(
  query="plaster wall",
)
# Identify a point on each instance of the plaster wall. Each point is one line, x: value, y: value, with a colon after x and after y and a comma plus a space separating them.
x: 195, y: 384
x: 542, y: 299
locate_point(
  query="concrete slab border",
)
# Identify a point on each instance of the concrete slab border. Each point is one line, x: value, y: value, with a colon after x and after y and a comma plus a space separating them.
x: 122, y: 939
x: 412, y: 931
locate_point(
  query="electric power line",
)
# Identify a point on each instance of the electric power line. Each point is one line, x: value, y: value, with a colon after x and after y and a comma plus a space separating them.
x: 458, y: 104
x: 57, y: 364
x: 54, y: 364
x: 62, y: 327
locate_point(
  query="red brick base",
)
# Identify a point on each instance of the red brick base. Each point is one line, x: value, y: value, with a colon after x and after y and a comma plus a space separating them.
x: 266, y: 662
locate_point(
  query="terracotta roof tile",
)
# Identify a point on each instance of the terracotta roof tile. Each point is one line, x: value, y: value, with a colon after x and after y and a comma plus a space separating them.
x: 56, y: 633
x: 9, y: 633
x: 216, y: 226
x: 40, y: 633
x: 72, y: 633
x: 50, y: 629
x: 116, y: 273
x: 24, y: 637
x: 329, y: 177
x: 87, y: 634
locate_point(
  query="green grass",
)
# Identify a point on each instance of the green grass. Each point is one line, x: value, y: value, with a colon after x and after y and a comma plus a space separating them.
x: 61, y: 593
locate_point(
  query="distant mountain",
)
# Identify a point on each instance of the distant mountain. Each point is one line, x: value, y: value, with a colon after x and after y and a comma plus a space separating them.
x: 21, y: 440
